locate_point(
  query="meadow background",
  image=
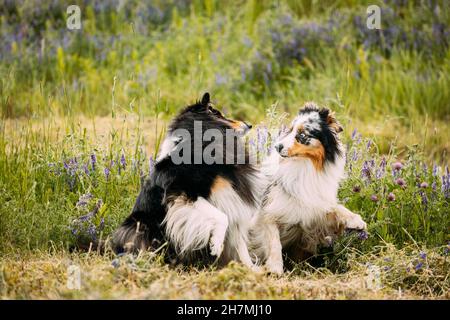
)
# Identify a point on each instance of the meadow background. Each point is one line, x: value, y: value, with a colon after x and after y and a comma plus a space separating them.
x: 83, y: 112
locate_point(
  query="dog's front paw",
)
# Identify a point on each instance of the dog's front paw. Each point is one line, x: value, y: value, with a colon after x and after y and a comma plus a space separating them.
x: 355, y: 222
x: 257, y: 269
x: 274, y: 267
x: 216, y: 243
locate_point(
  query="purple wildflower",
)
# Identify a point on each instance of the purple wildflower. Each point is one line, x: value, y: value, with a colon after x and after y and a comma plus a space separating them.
x: 369, y: 143
x: 391, y: 196
x: 123, y: 162
x: 86, y: 217
x: 397, y: 166
x: 374, y: 198
x: 424, y: 197
x: 102, y: 224
x: 93, y: 161
x: 425, y: 168
x: 354, y: 134
x: 91, y: 214
x: 423, y: 255
x: 446, y: 186
x: 356, y: 189
x: 84, y: 200
x: 355, y: 155
x: 107, y: 172
x: 92, y: 231
x: 363, y: 235
x: 365, y: 171
x: 418, y: 266
x: 424, y: 185
x: 381, y: 169
x: 400, y: 181
x: 435, y: 170
x: 262, y: 139
x: 221, y: 79
x: 71, y: 166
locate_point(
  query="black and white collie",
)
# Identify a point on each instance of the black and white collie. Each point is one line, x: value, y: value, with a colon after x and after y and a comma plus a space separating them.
x: 300, y: 209
x: 198, y: 208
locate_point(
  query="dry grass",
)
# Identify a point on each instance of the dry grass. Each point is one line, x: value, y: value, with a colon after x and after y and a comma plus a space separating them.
x: 41, y: 275
x: 98, y: 130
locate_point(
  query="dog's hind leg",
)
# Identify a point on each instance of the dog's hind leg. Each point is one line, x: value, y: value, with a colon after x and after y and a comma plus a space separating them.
x: 241, y: 252
x: 191, y: 226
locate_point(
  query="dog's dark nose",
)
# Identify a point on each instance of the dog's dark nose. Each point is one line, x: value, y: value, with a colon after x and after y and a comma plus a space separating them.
x: 279, y: 147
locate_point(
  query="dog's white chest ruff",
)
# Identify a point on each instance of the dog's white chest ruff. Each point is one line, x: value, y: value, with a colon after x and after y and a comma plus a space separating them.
x: 299, y: 193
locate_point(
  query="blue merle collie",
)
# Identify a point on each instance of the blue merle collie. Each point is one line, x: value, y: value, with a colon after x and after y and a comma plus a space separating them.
x: 201, y: 210
x: 300, y: 209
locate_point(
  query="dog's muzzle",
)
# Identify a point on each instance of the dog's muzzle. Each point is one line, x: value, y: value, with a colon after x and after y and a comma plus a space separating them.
x: 244, y: 127
x: 281, y: 150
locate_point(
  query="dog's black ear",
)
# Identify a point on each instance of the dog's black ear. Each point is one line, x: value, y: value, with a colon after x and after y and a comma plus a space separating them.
x: 331, y: 120
x: 206, y: 99
x: 324, y: 113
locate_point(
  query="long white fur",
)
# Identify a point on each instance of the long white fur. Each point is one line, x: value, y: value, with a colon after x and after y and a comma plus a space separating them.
x: 302, y: 192
x: 222, y: 221
x: 298, y: 195
x: 190, y: 226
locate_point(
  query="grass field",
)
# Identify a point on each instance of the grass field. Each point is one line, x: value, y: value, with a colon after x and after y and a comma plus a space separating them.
x: 83, y: 112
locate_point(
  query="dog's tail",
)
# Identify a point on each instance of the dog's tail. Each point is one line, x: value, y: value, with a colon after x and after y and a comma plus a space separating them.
x: 142, y: 229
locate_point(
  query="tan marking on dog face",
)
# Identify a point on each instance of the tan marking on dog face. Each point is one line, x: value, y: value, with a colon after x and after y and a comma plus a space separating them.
x: 333, y: 123
x: 300, y: 128
x: 236, y: 124
x: 316, y: 153
x: 220, y: 184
